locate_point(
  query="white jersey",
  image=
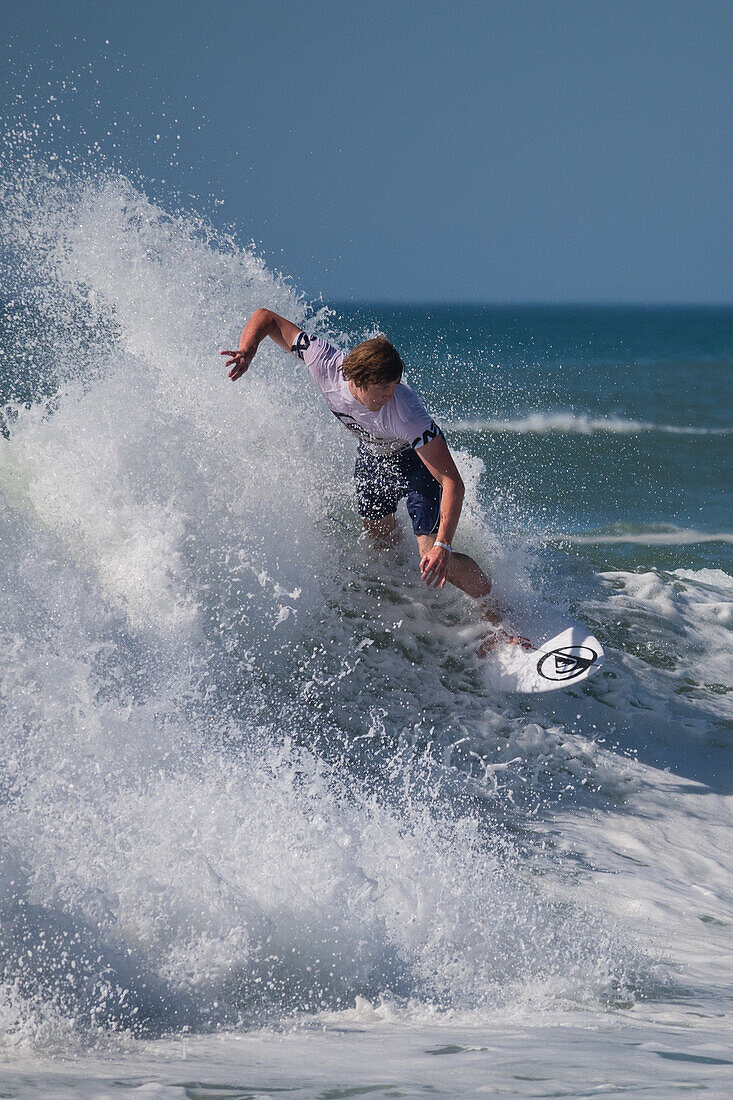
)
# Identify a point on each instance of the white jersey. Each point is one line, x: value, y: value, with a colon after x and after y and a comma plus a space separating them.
x: 401, y: 423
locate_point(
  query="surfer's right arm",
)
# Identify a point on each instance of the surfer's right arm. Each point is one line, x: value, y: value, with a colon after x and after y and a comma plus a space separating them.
x: 262, y: 323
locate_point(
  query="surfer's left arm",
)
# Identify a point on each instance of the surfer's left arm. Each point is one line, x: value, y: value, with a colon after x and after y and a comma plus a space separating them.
x: 439, y: 461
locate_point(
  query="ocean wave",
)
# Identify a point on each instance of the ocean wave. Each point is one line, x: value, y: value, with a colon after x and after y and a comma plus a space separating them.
x: 578, y: 423
x: 242, y: 773
x: 239, y: 770
x: 674, y: 537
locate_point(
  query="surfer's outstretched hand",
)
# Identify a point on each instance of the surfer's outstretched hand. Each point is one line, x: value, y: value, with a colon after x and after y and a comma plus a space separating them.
x: 434, y: 566
x: 239, y: 361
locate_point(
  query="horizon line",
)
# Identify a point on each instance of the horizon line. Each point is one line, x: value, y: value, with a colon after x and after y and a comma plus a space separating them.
x: 519, y: 303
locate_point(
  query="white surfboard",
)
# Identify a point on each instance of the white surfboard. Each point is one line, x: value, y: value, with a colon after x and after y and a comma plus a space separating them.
x: 555, y: 660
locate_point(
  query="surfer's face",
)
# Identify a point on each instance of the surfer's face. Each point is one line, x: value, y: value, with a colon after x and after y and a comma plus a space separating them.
x: 375, y: 395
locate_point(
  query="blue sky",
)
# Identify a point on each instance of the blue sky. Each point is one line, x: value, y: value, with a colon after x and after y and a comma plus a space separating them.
x: 414, y: 150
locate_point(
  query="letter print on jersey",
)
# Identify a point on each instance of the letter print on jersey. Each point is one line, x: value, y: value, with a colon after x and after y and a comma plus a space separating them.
x: 429, y: 434
x: 351, y: 426
x: 301, y: 345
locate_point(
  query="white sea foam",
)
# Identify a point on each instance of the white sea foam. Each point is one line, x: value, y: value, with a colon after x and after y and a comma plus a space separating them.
x: 171, y: 565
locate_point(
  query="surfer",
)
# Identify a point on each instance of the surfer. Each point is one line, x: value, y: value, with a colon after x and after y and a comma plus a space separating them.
x: 401, y: 450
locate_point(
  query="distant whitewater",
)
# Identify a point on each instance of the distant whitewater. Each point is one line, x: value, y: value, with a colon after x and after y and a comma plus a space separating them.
x: 569, y: 422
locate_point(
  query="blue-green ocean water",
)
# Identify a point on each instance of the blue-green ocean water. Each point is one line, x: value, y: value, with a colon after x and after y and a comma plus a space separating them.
x: 599, y: 421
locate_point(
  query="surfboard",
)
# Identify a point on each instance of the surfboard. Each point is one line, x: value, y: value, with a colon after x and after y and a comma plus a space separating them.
x: 553, y: 659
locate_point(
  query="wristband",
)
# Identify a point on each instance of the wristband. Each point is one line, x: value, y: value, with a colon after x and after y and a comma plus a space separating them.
x: 443, y: 546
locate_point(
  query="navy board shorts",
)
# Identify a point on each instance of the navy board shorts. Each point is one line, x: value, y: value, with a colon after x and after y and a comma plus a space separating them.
x: 382, y: 481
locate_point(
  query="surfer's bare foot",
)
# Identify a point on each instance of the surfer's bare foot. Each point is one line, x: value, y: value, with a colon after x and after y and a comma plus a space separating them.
x: 499, y: 636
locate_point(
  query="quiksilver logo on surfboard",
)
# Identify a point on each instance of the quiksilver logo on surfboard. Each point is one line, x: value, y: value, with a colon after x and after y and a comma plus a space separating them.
x: 567, y: 662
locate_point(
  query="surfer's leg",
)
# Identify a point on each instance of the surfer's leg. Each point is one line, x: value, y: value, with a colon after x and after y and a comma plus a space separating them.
x: 384, y: 531
x: 377, y: 494
x: 465, y: 574
x: 423, y: 505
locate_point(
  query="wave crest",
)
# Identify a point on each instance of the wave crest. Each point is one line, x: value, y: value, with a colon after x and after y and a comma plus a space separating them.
x: 577, y: 423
